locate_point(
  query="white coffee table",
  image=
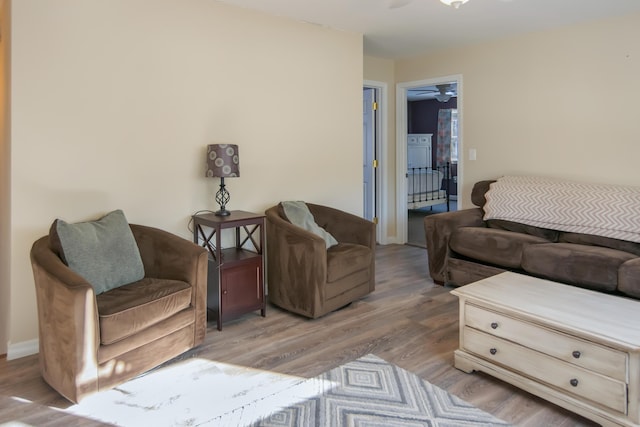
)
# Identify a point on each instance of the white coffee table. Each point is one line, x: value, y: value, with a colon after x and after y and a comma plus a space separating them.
x: 577, y: 348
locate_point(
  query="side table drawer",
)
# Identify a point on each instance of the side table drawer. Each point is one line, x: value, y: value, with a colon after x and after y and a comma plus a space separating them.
x: 594, y: 357
x: 561, y: 375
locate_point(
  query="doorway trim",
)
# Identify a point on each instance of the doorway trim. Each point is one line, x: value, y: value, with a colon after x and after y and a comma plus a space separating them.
x: 381, y: 141
x: 401, y: 145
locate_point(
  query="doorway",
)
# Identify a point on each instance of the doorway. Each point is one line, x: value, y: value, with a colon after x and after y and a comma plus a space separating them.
x: 428, y: 141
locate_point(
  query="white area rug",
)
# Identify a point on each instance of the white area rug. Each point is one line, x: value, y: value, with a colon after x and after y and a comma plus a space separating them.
x: 199, y: 392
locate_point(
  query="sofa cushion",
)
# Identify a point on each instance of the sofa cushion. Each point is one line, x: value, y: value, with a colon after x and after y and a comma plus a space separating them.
x: 591, y: 267
x: 516, y: 227
x: 628, y: 278
x: 345, y: 259
x: 343, y: 288
x: 498, y: 247
x: 104, y: 252
x: 607, y: 242
x: 128, y: 309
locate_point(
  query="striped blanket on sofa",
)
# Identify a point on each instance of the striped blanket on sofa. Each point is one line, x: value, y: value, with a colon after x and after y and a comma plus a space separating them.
x: 598, y: 209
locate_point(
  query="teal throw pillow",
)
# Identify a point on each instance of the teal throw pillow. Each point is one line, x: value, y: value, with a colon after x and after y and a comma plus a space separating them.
x: 298, y: 214
x: 104, y: 251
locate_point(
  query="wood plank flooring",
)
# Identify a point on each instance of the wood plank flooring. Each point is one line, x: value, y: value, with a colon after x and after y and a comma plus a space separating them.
x: 407, y: 321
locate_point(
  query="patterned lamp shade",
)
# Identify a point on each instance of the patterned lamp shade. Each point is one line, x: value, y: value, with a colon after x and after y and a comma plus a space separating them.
x: 223, y: 161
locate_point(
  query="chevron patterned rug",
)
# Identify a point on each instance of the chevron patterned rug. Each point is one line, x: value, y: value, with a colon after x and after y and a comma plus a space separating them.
x: 199, y: 392
x: 371, y: 392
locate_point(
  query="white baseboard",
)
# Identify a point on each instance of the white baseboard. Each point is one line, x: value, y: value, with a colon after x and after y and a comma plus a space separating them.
x: 22, y: 349
x: 390, y: 240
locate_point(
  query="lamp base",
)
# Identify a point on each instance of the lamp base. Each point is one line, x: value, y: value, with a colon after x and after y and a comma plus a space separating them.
x: 222, y: 197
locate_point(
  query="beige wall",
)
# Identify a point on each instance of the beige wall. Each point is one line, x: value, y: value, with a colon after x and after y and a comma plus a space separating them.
x: 4, y: 175
x: 560, y: 103
x: 114, y: 102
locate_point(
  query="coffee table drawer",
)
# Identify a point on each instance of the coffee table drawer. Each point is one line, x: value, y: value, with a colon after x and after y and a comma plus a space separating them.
x: 573, y: 379
x: 594, y: 357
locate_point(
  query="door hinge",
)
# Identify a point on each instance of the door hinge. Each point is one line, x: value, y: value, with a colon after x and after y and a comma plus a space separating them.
x: 375, y: 220
x: 374, y: 106
x: 375, y: 163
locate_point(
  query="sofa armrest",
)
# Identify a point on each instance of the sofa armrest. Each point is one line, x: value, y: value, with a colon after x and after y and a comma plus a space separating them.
x: 296, y: 264
x: 345, y: 227
x: 167, y: 256
x: 438, y: 229
x: 67, y: 324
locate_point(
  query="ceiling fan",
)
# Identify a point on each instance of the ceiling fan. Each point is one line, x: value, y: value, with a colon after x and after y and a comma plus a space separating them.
x: 443, y: 92
x: 455, y: 3
x: 397, y: 4
x: 377, y: 4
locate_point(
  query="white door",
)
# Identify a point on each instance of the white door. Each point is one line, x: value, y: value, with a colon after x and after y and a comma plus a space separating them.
x: 369, y: 155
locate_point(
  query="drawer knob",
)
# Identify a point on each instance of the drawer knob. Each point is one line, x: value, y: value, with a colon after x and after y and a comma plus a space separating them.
x: 224, y: 292
x: 494, y: 325
x: 574, y: 382
x: 493, y: 351
x: 576, y: 354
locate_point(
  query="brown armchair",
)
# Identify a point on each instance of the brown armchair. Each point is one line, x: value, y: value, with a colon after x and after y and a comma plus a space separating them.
x: 90, y: 343
x: 306, y: 278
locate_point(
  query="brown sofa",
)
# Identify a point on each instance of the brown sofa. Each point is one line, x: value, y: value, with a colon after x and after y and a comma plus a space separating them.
x: 90, y: 343
x: 462, y: 248
x: 306, y: 278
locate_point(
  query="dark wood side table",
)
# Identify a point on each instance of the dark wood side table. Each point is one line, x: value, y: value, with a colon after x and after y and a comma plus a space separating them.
x: 235, y: 283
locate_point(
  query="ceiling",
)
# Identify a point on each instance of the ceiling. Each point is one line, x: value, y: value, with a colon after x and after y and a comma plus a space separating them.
x: 398, y: 29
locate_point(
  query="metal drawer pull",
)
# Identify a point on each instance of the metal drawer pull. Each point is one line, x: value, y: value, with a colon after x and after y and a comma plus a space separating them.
x: 258, y: 283
x: 493, y: 351
x: 576, y: 354
x: 494, y: 325
x: 574, y: 382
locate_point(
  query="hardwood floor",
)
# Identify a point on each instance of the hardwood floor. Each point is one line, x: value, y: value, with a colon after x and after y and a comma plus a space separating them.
x: 407, y: 321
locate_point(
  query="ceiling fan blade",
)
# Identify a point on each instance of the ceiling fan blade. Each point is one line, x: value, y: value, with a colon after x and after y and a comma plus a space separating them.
x: 396, y: 4
x: 376, y: 4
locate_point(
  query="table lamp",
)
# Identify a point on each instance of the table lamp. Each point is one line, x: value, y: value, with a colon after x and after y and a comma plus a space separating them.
x: 222, y: 162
